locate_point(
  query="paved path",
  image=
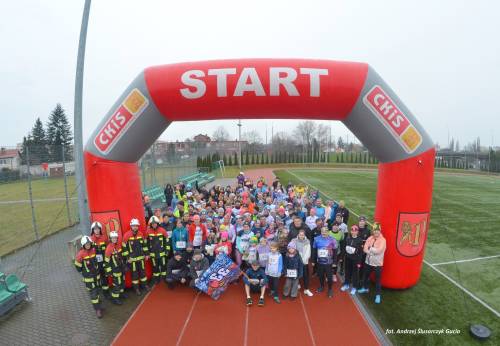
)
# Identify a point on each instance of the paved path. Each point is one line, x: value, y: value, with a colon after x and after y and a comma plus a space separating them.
x: 60, y: 312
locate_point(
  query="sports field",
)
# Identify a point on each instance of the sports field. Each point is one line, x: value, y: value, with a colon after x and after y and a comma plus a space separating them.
x: 464, y: 228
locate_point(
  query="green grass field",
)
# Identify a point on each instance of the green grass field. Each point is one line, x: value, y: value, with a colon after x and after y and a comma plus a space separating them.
x: 464, y: 225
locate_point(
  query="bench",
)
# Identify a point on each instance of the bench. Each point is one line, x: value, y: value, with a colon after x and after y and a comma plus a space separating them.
x: 12, y: 292
x: 155, y: 193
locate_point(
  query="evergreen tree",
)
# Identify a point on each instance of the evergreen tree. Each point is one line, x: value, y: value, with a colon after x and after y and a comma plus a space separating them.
x: 224, y: 158
x: 342, y: 157
x: 267, y: 158
x: 253, y: 159
x: 59, y: 134
x: 230, y: 160
x: 336, y: 158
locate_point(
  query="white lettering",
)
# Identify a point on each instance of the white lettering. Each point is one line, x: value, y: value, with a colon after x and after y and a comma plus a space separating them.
x: 103, y: 139
x: 221, y: 74
x: 314, y: 79
x: 199, y: 85
x: 377, y: 97
x: 109, y: 131
x: 397, y: 122
x: 386, y: 107
x: 120, y: 118
x: 275, y: 80
x: 249, y: 73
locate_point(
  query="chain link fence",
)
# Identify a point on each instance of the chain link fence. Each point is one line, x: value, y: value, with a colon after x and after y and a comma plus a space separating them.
x: 37, y: 193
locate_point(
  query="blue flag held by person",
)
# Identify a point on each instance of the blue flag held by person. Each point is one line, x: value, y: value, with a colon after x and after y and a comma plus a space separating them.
x: 218, y: 276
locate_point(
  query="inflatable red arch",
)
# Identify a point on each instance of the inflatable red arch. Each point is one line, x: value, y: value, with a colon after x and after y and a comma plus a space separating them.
x: 263, y: 89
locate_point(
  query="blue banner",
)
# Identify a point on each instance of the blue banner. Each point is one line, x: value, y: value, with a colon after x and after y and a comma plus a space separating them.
x: 218, y: 276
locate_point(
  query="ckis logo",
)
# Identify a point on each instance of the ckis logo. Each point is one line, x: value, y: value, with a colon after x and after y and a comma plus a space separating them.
x: 393, y: 119
x: 135, y: 103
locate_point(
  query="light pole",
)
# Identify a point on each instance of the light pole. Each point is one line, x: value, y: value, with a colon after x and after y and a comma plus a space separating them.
x: 83, y: 210
x: 239, y: 140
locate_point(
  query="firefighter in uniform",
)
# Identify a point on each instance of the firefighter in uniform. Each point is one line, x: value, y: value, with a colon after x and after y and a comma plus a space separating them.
x: 100, y: 241
x: 159, y: 248
x: 115, y: 267
x: 86, y: 263
x: 136, y: 249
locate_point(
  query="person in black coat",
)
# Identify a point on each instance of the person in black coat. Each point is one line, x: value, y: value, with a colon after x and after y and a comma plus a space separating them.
x: 353, y: 259
x: 177, y: 270
x: 169, y: 194
x: 296, y: 226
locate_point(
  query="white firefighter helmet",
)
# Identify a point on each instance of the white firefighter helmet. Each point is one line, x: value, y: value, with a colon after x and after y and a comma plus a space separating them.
x: 96, y: 224
x: 153, y: 219
x: 134, y: 222
x: 85, y: 239
x: 113, y: 234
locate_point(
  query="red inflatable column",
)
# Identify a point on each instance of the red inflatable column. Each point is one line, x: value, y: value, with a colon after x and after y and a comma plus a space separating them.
x: 404, y: 199
x: 115, y: 197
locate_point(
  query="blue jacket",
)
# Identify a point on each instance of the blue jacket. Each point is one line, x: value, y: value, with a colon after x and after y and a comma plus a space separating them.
x: 258, y: 274
x: 324, y: 249
x: 294, y: 263
x: 179, y: 234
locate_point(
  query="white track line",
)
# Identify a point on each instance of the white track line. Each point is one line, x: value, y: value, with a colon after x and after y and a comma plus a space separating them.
x: 466, y: 260
x: 188, y: 318
x: 130, y: 318
x: 308, y: 322
x: 245, y: 336
x: 495, y: 312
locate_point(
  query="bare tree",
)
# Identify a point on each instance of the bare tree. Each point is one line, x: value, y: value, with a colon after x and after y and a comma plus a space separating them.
x: 304, y: 132
x: 220, y: 134
x: 282, y: 141
x: 252, y: 137
x: 323, y: 136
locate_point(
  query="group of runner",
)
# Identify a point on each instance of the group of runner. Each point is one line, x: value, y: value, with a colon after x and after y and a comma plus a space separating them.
x: 271, y: 231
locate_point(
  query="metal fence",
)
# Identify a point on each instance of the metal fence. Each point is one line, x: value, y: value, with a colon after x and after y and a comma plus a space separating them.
x: 37, y: 193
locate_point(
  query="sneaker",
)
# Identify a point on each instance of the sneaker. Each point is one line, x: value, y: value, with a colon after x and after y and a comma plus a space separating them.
x: 320, y: 289
x: 292, y: 298
x: 344, y: 288
x: 146, y: 288
x: 123, y: 295
x: 363, y: 290
x: 261, y: 301
x: 249, y: 301
x: 298, y: 286
x: 335, y: 278
x: 353, y: 291
x: 308, y: 293
x: 277, y: 300
x: 378, y: 299
x: 330, y: 293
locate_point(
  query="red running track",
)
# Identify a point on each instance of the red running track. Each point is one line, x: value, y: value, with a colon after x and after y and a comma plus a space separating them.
x: 183, y: 317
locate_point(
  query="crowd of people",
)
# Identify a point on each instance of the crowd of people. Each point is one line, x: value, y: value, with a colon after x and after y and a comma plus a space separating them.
x: 273, y: 232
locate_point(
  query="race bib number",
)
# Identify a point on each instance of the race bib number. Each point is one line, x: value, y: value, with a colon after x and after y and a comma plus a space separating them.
x: 273, y: 260
x: 350, y: 250
x: 322, y: 253
x: 244, y: 245
x: 197, y: 240
x: 180, y: 244
x: 223, y: 249
x: 263, y: 256
x: 291, y: 273
x: 176, y: 271
x: 99, y: 258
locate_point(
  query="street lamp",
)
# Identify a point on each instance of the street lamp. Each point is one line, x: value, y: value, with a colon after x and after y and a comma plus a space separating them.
x: 83, y: 210
x: 239, y: 140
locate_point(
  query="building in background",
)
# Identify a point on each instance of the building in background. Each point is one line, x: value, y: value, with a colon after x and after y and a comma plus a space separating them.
x: 9, y: 159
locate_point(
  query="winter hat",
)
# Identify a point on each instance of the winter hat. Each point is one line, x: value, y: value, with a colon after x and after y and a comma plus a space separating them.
x: 254, y: 240
x: 292, y: 245
x: 224, y: 235
x: 177, y: 253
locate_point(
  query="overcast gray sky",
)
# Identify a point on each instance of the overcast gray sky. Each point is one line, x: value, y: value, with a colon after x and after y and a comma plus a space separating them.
x: 441, y: 57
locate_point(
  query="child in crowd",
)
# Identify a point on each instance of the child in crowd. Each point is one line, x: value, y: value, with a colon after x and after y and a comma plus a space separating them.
x: 263, y: 252
x: 255, y: 280
x: 224, y: 246
x: 274, y: 269
x: 292, y: 270
x: 304, y: 249
x: 251, y: 254
x: 199, y: 264
x: 242, y: 242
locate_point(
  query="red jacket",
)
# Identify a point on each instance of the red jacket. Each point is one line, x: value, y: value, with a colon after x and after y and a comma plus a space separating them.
x: 192, y: 231
x: 100, y: 241
x: 226, y: 244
